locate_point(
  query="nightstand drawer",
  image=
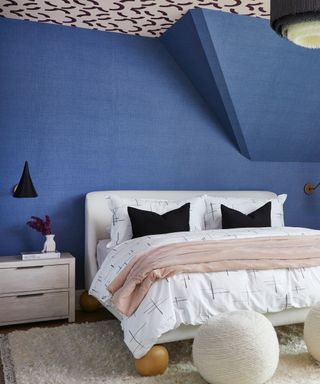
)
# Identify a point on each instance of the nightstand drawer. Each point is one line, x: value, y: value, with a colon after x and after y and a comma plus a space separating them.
x: 33, y: 307
x: 34, y: 278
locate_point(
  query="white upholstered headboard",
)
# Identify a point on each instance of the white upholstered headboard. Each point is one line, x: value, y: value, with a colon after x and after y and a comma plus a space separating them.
x: 98, y: 216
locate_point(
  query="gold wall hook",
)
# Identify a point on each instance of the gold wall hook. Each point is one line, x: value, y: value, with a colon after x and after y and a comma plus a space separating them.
x: 309, y: 189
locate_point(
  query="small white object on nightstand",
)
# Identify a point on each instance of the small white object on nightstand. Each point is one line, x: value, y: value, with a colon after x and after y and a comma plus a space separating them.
x: 37, y: 290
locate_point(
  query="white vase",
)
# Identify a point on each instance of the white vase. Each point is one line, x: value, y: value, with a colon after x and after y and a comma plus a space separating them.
x: 49, y: 244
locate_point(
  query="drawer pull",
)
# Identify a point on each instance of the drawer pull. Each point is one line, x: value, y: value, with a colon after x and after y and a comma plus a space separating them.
x: 31, y: 295
x: 31, y: 267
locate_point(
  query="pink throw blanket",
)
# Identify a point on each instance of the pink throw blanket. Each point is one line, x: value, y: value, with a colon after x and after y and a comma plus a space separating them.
x: 133, y: 282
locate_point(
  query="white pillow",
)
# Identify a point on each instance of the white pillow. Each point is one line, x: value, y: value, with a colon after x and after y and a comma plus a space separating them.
x: 121, y: 229
x: 213, y: 219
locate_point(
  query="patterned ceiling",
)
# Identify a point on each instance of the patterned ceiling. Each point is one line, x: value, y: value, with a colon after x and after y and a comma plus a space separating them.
x: 137, y: 17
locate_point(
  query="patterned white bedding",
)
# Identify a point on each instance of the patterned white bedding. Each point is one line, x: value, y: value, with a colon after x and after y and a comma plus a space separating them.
x: 193, y: 298
x: 102, y: 251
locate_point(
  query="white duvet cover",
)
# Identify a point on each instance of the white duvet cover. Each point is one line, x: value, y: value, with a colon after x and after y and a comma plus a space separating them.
x: 102, y: 251
x: 193, y: 298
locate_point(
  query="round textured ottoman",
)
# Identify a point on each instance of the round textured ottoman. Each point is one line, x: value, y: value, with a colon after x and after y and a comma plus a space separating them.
x: 312, y: 332
x: 236, y: 348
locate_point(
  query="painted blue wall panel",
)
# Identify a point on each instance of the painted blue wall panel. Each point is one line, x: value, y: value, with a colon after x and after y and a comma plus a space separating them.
x: 274, y: 87
x: 93, y: 110
x: 191, y: 45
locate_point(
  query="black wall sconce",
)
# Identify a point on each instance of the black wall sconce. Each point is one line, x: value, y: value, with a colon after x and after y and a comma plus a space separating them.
x: 310, y: 188
x: 25, y: 187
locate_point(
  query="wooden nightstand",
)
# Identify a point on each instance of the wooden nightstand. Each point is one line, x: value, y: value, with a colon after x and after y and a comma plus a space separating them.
x: 36, y: 290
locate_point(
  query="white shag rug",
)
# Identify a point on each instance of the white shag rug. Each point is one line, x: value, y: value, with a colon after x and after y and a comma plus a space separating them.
x: 94, y: 353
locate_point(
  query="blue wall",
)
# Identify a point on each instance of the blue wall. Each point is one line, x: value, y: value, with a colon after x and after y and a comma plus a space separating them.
x: 274, y: 86
x: 191, y: 34
x: 93, y: 110
x: 269, y: 87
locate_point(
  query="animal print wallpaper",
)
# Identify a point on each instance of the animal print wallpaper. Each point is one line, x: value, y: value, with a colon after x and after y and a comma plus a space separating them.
x: 137, y: 17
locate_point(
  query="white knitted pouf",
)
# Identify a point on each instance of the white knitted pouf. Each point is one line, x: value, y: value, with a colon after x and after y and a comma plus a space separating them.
x: 236, y: 348
x: 312, y: 332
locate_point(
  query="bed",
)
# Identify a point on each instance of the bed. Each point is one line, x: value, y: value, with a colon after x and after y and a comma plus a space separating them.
x: 98, y: 219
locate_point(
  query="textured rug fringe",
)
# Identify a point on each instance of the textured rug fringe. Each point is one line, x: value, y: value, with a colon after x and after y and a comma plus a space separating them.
x: 7, y: 363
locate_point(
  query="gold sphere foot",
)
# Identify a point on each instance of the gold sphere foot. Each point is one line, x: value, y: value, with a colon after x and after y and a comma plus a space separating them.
x: 88, y: 303
x: 155, y: 362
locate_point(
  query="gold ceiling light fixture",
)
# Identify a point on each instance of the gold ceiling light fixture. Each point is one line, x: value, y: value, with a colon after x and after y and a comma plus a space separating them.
x: 298, y: 21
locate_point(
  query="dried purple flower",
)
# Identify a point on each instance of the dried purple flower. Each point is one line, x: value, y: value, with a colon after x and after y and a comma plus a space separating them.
x: 43, y: 226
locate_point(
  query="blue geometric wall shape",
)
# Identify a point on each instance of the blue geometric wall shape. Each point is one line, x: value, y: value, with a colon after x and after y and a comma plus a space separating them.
x: 190, y: 43
x: 269, y: 88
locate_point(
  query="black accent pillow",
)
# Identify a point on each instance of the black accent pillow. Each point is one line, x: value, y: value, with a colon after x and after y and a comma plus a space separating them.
x: 150, y: 223
x: 235, y: 219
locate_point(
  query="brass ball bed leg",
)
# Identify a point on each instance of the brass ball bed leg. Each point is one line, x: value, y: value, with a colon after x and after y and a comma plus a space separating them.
x: 89, y: 303
x: 155, y: 362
